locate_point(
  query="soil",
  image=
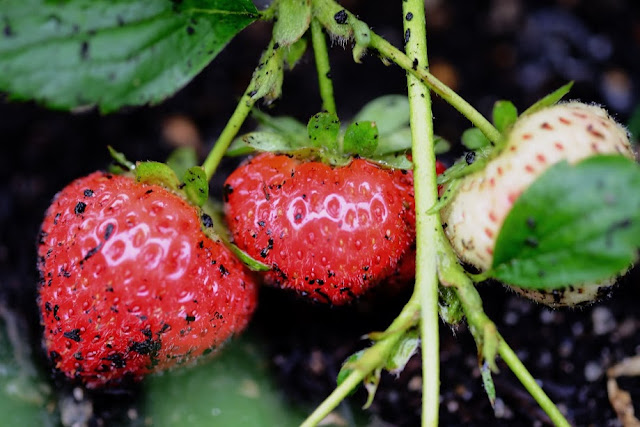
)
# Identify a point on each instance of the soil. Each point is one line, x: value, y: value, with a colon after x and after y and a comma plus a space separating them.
x: 503, y: 49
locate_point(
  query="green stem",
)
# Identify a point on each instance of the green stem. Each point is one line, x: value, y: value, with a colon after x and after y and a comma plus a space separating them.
x: 413, y: 67
x: 373, y: 357
x: 427, y: 226
x: 530, y: 384
x: 228, y: 133
x: 323, y: 67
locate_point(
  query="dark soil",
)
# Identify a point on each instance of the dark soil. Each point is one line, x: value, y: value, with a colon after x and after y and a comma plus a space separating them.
x: 503, y: 49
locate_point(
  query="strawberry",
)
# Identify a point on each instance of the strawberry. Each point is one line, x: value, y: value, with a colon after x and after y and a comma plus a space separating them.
x: 329, y: 232
x: 570, y: 131
x: 131, y: 283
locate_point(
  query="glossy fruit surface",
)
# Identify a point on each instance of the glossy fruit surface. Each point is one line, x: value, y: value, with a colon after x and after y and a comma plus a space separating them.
x: 130, y: 282
x: 330, y: 233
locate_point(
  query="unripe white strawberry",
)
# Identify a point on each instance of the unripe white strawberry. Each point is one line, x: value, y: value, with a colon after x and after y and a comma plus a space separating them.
x: 570, y: 131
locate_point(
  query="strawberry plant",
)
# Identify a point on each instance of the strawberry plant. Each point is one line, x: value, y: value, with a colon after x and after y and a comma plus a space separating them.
x: 543, y: 201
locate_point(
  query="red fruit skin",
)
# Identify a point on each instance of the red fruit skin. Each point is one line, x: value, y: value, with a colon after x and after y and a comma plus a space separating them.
x: 329, y: 233
x: 130, y: 283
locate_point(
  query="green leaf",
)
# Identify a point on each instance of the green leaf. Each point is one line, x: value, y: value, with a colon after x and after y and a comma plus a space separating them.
x: 396, y: 161
x: 550, y: 99
x: 441, y: 145
x: 181, y: 159
x: 24, y: 391
x: 575, y: 224
x: 236, y: 388
x: 293, y: 21
x: 157, y: 173
x: 390, y: 113
x: 295, y: 52
x: 81, y: 53
x: 260, y: 141
x: 196, y: 185
x: 487, y: 381
x: 505, y: 114
x: 403, y: 352
x: 474, y: 139
x: 348, y: 367
x: 285, y: 125
x: 361, y: 138
x: 323, y: 129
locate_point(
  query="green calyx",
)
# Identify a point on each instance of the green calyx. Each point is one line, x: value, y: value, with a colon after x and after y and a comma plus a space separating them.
x: 379, y: 132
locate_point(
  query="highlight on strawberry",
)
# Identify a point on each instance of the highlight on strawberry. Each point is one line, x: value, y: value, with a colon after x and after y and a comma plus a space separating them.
x: 133, y: 280
x: 539, y: 144
x: 331, y: 211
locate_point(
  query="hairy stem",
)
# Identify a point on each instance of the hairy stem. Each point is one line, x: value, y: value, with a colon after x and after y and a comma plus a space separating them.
x: 427, y: 225
x: 373, y: 357
x: 323, y: 67
x: 229, y: 132
x: 415, y: 68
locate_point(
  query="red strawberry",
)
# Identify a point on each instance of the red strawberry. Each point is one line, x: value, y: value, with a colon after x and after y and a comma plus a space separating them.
x: 130, y: 282
x: 571, y: 132
x: 330, y: 233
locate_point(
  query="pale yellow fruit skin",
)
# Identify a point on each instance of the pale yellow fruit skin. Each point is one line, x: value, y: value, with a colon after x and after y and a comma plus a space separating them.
x: 570, y: 131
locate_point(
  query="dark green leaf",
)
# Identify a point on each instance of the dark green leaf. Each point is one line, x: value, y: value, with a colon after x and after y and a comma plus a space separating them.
x: 474, y: 139
x: 504, y: 115
x: 293, y: 20
x: 403, y: 352
x: 323, y: 129
x: 390, y: 113
x: 80, y: 53
x: 157, y: 173
x: 361, y: 138
x: 196, y: 185
x: 574, y: 224
x: 550, y: 99
x: 236, y: 388
x: 182, y: 159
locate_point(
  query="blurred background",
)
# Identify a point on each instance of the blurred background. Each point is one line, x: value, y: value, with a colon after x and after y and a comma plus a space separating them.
x: 486, y: 51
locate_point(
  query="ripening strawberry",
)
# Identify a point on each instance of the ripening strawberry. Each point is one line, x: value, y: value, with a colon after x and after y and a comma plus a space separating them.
x: 330, y: 233
x: 570, y: 131
x: 131, y: 283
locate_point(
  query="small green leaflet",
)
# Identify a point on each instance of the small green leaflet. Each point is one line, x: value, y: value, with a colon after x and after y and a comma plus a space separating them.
x: 474, y: 139
x: 157, y: 173
x: 404, y: 350
x: 196, y: 185
x: 575, y: 224
x: 487, y: 381
x: 550, y: 99
x: 505, y: 114
x: 361, y: 138
x: 389, y: 112
x: 111, y: 53
x: 323, y: 129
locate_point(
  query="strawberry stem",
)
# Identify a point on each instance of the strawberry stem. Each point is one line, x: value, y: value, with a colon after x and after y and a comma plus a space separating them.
x: 373, y: 358
x: 388, y: 51
x: 426, y: 195
x: 323, y: 67
x: 229, y: 132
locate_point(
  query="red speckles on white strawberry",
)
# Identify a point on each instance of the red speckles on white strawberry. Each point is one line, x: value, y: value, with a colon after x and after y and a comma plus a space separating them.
x: 570, y: 131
